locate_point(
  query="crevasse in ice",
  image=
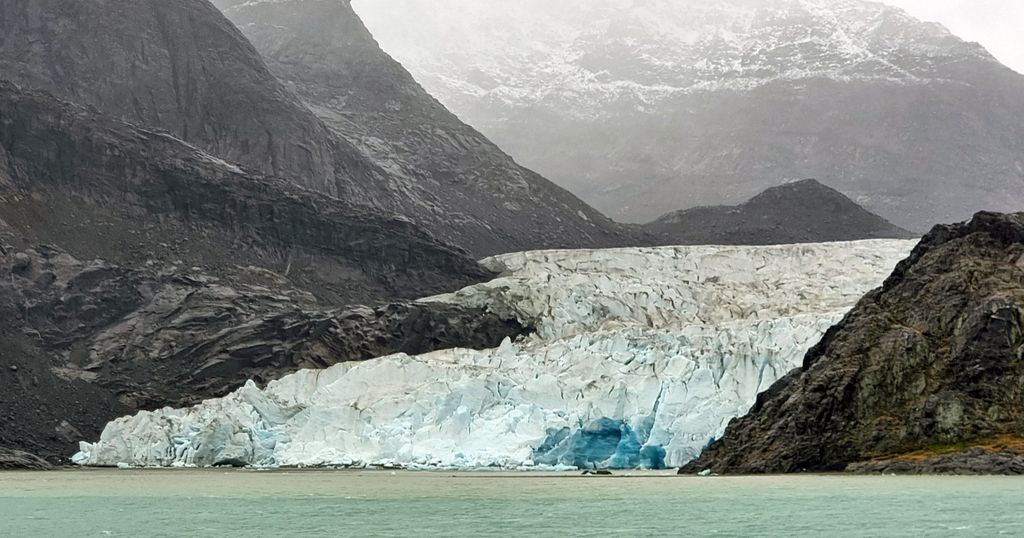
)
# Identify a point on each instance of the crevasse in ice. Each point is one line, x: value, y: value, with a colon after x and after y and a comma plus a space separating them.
x: 641, y: 358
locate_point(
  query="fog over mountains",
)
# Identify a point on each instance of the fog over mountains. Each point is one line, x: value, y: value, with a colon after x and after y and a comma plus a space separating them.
x: 642, y: 108
x: 439, y: 171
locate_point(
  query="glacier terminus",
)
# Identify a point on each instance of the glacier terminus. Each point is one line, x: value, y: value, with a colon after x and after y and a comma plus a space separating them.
x: 640, y: 358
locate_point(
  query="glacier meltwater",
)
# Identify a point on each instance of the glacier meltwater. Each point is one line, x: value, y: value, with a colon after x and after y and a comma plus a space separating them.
x: 640, y: 358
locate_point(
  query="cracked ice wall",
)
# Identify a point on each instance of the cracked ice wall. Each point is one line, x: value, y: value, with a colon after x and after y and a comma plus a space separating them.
x: 642, y: 356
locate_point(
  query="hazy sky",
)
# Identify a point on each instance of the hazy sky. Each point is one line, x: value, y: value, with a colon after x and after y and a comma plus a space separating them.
x: 996, y: 24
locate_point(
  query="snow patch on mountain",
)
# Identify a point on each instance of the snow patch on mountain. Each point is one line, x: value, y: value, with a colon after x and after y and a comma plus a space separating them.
x: 584, y: 55
x: 641, y: 358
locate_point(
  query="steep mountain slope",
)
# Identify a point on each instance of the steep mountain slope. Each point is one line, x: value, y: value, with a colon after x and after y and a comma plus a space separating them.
x: 799, y: 212
x: 103, y: 188
x: 461, y: 185
x: 140, y: 271
x: 925, y: 374
x: 642, y: 107
x: 182, y: 67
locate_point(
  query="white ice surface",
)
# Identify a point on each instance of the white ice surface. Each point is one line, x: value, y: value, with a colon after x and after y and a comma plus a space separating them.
x: 642, y: 357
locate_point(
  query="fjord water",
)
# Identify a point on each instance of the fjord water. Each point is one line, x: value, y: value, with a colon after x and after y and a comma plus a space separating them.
x: 346, y: 503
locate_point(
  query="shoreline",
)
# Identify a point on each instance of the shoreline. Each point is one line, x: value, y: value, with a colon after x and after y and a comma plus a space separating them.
x: 497, y: 473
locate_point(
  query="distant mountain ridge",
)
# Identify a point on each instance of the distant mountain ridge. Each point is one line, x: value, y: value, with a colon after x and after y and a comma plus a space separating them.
x: 643, y: 107
x: 647, y: 50
x: 798, y: 212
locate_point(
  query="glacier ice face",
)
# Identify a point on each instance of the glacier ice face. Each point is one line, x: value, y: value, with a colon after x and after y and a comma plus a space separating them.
x: 564, y: 293
x: 641, y: 358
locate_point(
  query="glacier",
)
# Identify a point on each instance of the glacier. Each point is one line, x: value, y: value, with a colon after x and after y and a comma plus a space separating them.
x: 640, y: 358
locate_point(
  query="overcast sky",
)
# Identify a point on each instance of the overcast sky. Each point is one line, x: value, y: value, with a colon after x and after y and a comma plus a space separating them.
x: 996, y: 24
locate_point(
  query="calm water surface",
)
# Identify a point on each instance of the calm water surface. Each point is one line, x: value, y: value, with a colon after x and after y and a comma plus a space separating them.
x: 250, y: 503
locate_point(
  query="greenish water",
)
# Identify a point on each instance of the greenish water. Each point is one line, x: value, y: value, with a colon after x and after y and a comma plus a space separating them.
x: 247, y: 503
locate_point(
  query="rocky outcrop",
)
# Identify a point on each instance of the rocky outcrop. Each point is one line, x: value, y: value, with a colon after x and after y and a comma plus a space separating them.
x: 450, y: 177
x: 925, y: 374
x: 89, y: 341
x: 799, y: 212
x: 16, y: 459
x: 973, y: 461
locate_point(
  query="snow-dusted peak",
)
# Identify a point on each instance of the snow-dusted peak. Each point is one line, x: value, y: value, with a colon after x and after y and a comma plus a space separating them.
x: 532, y: 51
x: 644, y: 107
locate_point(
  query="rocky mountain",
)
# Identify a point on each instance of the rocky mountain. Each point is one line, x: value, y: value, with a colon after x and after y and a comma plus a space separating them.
x: 175, y: 221
x: 449, y: 175
x: 923, y: 375
x: 799, y: 212
x: 141, y: 271
x: 642, y: 107
x: 102, y: 188
x: 16, y: 459
x: 182, y: 67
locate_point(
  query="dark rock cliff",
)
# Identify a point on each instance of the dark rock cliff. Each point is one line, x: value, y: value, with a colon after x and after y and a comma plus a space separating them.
x: 450, y: 177
x: 102, y: 188
x: 924, y: 374
x: 183, y: 68
x: 139, y: 271
x: 179, y: 66
x: 85, y: 342
x: 799, y: 212
x: 16, y: 459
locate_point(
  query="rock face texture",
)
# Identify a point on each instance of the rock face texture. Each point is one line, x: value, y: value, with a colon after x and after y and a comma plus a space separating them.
x: 639, y: 358
x: 642, y: 107
x: 178, y: 66
x: 183, y: 68
x: 448, y: 176
x: 14, y: 459
x: 972, y: 461
x: 105, y: 189
x: 141, y: 271
x: 925, y: 373
x: 86, y: 342
x: 800, y: 212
